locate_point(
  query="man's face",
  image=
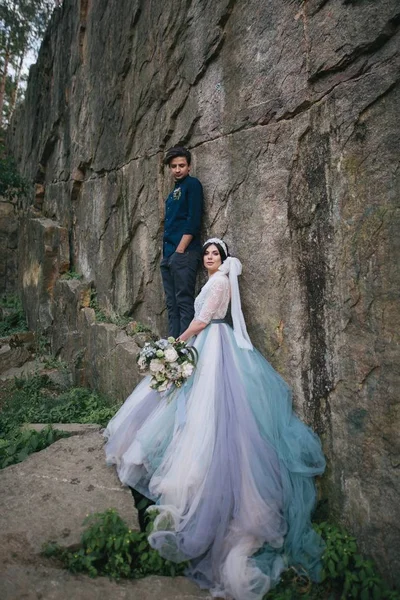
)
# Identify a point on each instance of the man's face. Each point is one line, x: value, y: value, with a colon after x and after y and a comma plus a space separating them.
x: 179, y: 167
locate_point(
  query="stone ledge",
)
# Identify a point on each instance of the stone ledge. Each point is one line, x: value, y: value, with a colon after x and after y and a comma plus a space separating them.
x: 13, y: 358
x: 47, y: 496
x: 32, y: 582
x: 71, y: 428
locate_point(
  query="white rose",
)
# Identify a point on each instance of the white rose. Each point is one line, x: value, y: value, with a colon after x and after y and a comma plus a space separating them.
x: 187, y: 369
x: 156, y: 365
x: 142, y: 362
x: 163, y: 387
x: 171, y: 355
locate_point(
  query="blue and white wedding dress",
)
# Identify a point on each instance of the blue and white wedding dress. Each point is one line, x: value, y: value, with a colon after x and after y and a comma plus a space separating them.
x: 227, y: 462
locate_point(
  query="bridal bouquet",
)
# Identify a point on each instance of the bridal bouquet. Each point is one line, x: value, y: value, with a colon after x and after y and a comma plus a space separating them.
x: 168, y: 362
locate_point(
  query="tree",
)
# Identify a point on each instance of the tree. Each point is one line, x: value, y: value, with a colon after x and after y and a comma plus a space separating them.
x: 22, y: 26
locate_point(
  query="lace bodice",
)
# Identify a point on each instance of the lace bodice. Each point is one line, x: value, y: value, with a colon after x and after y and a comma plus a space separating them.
x: 213, y: 300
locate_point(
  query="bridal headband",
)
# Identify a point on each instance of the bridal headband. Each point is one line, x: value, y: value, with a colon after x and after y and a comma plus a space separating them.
x: 217, y: 241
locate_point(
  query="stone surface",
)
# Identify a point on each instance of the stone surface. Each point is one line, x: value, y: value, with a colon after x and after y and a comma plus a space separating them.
x: 23, y: 338
x: 101, y: 355
x: 71, y: 428
x: 8, y: 246
x: 46, y: 498
x: 61, y: 377
x: 44, y: 252
x: 13, y: 357
x: 291, y: 110
x: 16, y: 350
x: 27, y: 369
x: 43, y: 582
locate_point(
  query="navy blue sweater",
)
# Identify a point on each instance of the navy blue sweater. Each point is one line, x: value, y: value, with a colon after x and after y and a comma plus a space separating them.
x: 183, y: 212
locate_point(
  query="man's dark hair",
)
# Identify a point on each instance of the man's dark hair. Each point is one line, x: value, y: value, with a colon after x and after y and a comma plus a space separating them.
x: 176, y: 151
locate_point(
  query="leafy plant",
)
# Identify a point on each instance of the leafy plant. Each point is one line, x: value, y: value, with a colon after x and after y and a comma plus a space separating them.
x: 11, y: 182
x: 42, y: 345
x: 38, y: 400
x: 104, y: 317
x: 13, y: 319
x: 10, y: 301
x: 345, y: 574
x: 22, y: 443
x: 72, y: 274
x: 109, y: 547
x: 294, y: 585
x: 53, y: 362
x: 100, y: 315
x: 81, y: 405
x: 43, y: 352
x: 137, y: 327
x: 347, y: 570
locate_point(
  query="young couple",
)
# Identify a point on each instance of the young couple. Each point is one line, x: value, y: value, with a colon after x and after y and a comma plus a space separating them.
x: 231, y: 473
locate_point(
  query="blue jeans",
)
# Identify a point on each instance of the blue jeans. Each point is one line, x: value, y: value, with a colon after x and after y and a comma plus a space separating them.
x: 179, y: 273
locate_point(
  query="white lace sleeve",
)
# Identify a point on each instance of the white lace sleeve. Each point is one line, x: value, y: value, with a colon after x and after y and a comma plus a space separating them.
x: 215, y: 303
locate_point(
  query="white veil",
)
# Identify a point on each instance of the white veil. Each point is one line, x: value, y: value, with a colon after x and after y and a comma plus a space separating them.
x: 233, y: 268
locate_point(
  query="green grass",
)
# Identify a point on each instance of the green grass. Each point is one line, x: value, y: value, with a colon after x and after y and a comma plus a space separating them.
x: 20, y: 444
x: 345, y: 573
x: 137, y: 327
x: 38, y: 400
x: 11, y: 182
x: 103, y: 317
x: 109, y: 547
x: 115, y: 318
x: 72, y: 274
x: 13, y: 317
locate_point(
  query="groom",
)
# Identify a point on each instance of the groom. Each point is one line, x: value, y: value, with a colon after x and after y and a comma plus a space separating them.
x: 181, y: 257
x: 181, y: 241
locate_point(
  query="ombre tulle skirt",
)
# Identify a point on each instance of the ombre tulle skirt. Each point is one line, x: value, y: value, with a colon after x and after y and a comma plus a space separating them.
x: 230, y: 468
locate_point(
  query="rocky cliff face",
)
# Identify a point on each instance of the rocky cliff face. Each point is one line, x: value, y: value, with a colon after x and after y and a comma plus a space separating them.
x: 8, y: 245
x: 291, y: 110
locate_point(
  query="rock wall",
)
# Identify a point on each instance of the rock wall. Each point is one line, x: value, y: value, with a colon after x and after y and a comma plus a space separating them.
x: 290, y: 108
x: 8, y: 245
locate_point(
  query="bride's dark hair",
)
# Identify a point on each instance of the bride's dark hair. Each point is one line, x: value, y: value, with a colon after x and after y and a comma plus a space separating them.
x: 224, y: 255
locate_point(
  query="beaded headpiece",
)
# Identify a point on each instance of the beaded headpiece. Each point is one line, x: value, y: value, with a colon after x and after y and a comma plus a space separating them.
x: 217, y: 241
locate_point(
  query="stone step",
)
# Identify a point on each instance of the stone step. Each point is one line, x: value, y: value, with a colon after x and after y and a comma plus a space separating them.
x: 71, y: 428
x: 49, y: 583
x: 28, y: 368
x: 46, y: 498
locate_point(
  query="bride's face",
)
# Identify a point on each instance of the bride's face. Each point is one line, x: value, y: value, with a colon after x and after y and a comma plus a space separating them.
x: 212, y: 259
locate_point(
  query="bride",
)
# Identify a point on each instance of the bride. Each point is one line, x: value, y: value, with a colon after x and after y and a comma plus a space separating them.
x: 228, y: 464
